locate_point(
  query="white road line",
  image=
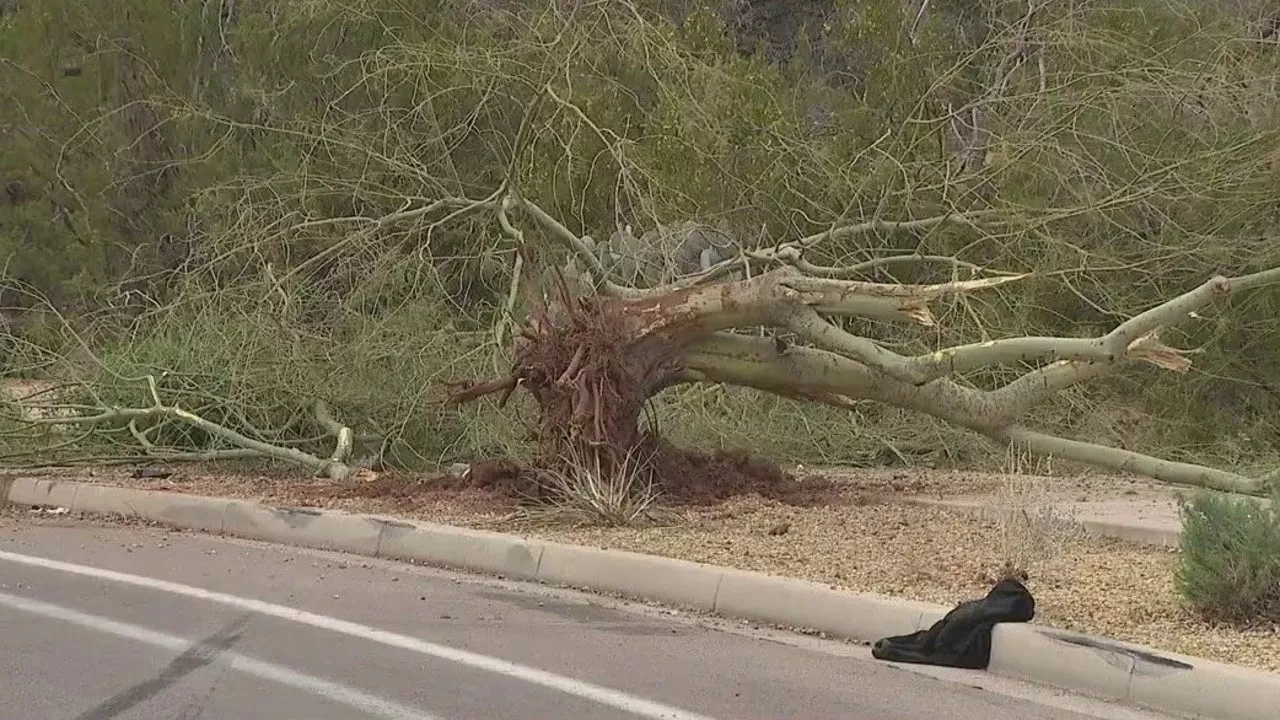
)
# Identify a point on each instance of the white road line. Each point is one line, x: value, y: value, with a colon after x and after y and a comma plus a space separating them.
x: 349, y: 696
x: 616, y: 699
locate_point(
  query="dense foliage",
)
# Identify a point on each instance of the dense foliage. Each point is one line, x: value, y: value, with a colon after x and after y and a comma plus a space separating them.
x: 1229, y: 567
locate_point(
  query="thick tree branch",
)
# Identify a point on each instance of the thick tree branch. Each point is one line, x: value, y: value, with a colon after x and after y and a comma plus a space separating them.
x: 756, y: 362
x: 793, y: 257
x: 344, y: 439
x: 879, y: 301
x: 1119, y: 460
x: 1133, y: 339
x: 1037, y: 386
x: 809, y: 372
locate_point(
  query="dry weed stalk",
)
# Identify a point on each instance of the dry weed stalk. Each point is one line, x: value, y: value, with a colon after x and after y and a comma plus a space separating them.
x: 1033, y: 529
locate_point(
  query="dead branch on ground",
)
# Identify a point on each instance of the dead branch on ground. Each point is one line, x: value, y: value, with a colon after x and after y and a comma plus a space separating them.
x: 335, y: 467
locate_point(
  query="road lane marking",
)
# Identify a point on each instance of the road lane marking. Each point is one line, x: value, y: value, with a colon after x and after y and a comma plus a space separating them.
x: 599, y: 694
x: 351, y: 697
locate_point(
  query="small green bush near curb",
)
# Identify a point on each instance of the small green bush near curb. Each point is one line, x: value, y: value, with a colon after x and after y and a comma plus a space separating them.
x: 1230, y: 563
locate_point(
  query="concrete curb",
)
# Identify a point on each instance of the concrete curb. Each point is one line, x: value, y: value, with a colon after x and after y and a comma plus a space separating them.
x: 1191, y: 687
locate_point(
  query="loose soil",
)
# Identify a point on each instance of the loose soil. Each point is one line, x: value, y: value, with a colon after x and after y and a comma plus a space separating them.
x: 851, y: 529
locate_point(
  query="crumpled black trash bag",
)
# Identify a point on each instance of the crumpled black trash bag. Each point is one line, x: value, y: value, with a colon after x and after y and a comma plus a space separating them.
x: 963, y: 637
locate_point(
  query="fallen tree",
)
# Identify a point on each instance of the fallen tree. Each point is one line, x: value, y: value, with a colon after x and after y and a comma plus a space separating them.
x: 1054, y: 139
x: 597, y: 352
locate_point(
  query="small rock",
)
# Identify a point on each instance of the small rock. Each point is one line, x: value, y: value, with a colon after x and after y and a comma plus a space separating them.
x: 781, y: 528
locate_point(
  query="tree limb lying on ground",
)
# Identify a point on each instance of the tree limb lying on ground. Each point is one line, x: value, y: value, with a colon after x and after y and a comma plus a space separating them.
x: 336, y: 467
x: 595, y: 357
x: 599, y: 351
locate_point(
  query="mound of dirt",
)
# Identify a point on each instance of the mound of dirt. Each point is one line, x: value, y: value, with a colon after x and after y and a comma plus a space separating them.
x: 697, y: 478
x: 393, y: 486
x: 502, y: 477
x: 686, y: 478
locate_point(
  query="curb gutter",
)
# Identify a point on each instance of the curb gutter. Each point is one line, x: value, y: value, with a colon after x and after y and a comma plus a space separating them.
x: 1107, y: 669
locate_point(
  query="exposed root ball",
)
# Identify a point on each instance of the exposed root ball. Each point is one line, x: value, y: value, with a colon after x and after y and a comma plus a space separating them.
x: 591, y: 370
x: 593, y: 364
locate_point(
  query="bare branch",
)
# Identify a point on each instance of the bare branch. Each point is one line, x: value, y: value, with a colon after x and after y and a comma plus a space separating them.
x: 1119, y: 460
x: 1132, y: 339
x: 887, y: 226
x: 889, y: 302
x: 792, y: 256
x: 245, y: 447
x: 914, y: 31
x: 202, y: 456
x: 344, y: 439
x: 808, y: 372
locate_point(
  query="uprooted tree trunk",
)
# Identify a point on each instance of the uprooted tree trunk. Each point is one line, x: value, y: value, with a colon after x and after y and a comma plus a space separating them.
x: 592, y: 360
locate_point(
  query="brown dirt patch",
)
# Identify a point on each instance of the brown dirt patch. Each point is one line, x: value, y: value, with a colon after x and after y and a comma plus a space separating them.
x: 687, y: 478
x: 696, y: 478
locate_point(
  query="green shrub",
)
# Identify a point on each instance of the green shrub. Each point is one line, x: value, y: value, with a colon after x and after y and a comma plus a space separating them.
x: 1230, y: 564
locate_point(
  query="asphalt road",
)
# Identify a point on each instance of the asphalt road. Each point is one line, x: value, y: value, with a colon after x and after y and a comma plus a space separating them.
x: 103, y: 621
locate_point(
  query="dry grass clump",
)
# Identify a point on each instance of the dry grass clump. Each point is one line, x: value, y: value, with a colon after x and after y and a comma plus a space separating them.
x: 1032, y: 531
x: 583, y: 489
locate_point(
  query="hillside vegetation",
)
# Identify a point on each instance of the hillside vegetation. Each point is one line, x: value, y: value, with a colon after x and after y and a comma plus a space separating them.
x: 237, y: 198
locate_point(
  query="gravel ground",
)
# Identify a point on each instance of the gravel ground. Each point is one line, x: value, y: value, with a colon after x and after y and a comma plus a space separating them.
x: 860, y: 538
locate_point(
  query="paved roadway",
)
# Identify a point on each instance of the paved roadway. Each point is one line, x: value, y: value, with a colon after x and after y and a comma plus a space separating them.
x: 101, y: 621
